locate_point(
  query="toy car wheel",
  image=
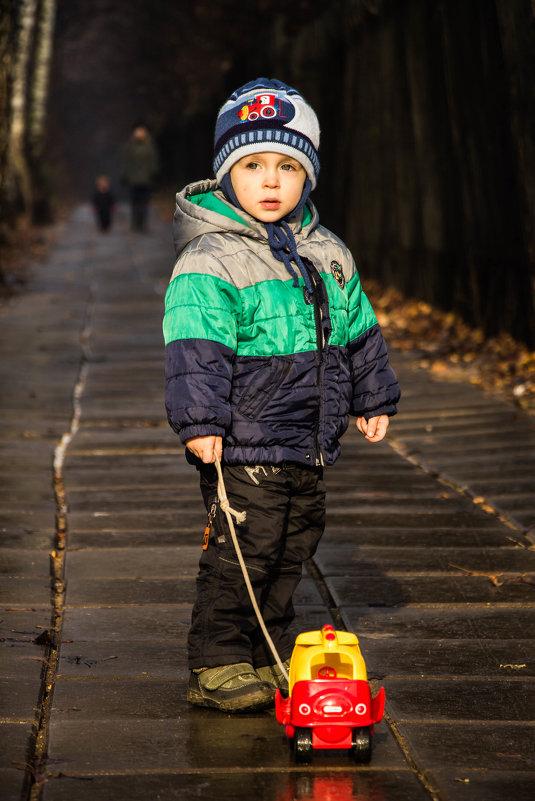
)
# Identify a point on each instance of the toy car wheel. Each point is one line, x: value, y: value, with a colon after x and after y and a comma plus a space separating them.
x: 303, y: 744
x: 361, y: 744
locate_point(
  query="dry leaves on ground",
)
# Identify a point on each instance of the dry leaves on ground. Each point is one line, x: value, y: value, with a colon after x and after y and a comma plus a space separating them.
x: 442, y: 343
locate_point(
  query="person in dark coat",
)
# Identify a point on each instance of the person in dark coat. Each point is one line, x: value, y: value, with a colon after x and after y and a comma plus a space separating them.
x: 139, y: 170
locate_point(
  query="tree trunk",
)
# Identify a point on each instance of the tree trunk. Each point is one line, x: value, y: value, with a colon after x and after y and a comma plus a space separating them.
x: 37, y: 108
x: 7, y: 25
x: 18, y: 178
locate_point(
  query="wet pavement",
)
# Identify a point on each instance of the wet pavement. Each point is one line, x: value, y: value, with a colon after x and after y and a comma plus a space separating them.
x: 428, y: 557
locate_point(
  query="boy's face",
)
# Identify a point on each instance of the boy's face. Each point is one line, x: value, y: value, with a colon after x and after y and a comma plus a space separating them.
x: 268, y: 185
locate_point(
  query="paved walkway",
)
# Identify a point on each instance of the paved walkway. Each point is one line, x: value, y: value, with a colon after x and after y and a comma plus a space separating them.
x: 427, y: 557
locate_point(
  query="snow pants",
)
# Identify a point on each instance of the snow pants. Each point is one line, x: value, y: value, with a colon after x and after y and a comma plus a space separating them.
x: 285, y: 508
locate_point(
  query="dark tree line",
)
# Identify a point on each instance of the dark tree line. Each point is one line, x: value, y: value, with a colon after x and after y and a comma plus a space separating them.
x: 432, y: 155
x: 427, y: 110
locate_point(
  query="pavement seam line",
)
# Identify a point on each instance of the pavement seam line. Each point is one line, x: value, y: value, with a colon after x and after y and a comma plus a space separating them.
x: 37, y: 762
x: 463, y: 489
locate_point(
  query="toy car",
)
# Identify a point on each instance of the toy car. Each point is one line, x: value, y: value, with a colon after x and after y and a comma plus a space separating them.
x: 329, y: 703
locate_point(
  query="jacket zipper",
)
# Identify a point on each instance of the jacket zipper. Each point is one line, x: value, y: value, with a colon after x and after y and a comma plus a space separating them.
x: 320, y: 342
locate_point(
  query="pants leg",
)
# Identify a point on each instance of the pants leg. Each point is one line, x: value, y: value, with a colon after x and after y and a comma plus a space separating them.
x: 139, y: 199
x: 305, y: 526
x: 285, y: 518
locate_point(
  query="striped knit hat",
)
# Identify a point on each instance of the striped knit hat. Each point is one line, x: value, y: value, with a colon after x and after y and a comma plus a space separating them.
x: 266, y: 116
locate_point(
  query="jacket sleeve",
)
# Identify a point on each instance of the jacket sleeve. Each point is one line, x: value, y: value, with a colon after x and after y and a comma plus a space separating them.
x: 200, y: 345
x: 375, y: 389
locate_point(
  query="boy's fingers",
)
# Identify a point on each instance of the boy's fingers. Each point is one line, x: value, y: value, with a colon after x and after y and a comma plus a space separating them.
x: 362, y: 425
x: 205, y: 448
x: 208, y: 450
x: 377, y: 428
x: 372, y: 428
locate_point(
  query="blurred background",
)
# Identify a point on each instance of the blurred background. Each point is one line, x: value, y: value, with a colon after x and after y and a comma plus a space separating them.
x: 427, y: 111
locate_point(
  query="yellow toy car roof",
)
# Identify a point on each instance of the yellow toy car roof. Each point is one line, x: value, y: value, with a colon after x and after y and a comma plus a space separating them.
x: 326, y: 654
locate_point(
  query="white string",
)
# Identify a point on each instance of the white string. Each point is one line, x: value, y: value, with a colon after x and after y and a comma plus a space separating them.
x: 240, y: 518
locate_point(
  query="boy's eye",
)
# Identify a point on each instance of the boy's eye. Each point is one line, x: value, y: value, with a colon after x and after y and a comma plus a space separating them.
x: 287, y: 167
x: 252, y: 165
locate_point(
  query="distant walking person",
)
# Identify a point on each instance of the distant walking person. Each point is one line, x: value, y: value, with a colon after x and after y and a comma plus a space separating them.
x: 140, y: 168
x: 103, y: 201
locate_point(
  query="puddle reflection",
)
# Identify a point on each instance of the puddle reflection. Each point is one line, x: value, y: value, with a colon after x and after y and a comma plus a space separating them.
x: 333, y: 787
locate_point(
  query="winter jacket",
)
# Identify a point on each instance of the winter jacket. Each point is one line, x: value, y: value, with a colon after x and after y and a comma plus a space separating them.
x: 252, y: 358
x: 140, y: 162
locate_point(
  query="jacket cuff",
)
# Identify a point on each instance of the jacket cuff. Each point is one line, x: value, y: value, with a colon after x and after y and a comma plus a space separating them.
x: 200, y: 431
x: 390, y: 410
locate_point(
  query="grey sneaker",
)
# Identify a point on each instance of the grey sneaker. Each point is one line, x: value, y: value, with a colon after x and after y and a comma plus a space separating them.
x: 273, y: 675
x: 231, y: 688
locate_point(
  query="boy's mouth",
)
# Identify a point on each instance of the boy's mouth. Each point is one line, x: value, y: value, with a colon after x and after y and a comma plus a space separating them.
x: 270, y: 205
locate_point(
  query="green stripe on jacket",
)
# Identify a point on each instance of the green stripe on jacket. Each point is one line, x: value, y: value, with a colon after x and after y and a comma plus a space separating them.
x: 268, y: 318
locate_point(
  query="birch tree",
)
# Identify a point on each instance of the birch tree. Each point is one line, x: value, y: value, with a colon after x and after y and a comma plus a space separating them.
x: 37, y: 108
x: 40, y: 75
x: 18, y: 180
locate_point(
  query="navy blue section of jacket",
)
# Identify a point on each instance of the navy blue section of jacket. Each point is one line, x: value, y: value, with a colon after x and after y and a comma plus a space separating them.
x: 280, y: 408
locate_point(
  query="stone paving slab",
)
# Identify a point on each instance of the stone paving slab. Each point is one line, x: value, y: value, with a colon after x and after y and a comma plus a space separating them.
x: 95, y: 592
x: 367, y: 560
x: 482, y: 621
x: 19, y: 701
x: 264, y: 785
x: 409, y: 656
x: 127, y: 499
x: 148, y: 622
x: 14, y: 739
x: 401, y: 590
x: 470, y: 517
x: 466, y: 699
x: 120, y: 660
x: 24, y: 564
x: 106, y: 520
x: 32, y: 591
x: 153, y: 561
x: 484, y: 784
x: 197, y: 739
x: 491, y: 536
x: 131, y: 537
x: 505, y: 746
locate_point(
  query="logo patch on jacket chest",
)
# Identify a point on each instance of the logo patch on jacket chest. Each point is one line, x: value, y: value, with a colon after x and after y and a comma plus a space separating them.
x: 338, y: 274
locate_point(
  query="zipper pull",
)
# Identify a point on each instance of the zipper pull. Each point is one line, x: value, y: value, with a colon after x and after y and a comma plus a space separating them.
x: 206, y: 535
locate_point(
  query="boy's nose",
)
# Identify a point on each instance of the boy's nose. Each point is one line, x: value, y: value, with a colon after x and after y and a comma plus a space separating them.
x: 271, y: 178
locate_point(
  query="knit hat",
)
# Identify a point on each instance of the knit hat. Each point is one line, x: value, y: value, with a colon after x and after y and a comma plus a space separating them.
x: 266, y: 115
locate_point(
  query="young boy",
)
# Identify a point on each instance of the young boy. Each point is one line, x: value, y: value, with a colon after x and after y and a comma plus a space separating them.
x: 270, y: 345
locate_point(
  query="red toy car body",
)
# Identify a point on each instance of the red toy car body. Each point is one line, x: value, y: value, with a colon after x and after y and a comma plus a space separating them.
x: 330, y: 705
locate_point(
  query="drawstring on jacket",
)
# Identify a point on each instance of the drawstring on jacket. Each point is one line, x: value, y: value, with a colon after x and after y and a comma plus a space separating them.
x: 283, y: 246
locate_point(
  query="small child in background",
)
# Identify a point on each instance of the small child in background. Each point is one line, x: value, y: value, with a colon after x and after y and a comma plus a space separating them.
x: 103, y: 201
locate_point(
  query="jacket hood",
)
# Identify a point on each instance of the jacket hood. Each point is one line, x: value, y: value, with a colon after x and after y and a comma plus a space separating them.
x: 201, y: 208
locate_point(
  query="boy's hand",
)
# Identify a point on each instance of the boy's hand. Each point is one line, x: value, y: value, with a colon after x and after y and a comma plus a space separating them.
x: 375, y: 428
x: 205, y: 448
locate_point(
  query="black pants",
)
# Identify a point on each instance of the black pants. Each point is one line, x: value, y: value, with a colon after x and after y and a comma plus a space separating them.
x: 285, y: 509
x: 139, y: 202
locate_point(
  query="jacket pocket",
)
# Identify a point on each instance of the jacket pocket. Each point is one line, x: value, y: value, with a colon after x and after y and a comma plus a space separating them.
x: 263, y: 380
